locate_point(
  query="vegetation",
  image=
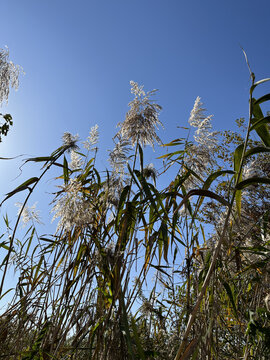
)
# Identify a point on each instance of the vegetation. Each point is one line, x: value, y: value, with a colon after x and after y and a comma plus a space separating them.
x: 9, y: 76
x: 140, y: 271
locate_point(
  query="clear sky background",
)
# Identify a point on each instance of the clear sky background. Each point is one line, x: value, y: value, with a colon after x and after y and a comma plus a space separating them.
x: 79, y: 56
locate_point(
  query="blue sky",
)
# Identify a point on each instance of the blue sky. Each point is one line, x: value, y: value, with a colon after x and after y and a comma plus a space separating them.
x: 79, y: 56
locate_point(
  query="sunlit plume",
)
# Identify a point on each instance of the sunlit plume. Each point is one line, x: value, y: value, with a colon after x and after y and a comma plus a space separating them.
x: 29, y: 213
x: 69, y: 141
x: 112, y: 189
x: 203, y: 135
x: 118, y: 157
x: 72, y: 207
x: 201, y: 153
x: 92, y: 139
x: 76, y: 161
x: 142, y: 119
x: 9, y: 75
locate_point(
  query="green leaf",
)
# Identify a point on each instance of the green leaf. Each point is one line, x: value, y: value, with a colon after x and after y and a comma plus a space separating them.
x: 238, y: 201
x: 252, y: 181
x: 201, y: 192
x: 4, y: 158
x: 29, y: 240
x: 3, y: 245
x: 141, y: 155
x: 38, y: 268
x: 40, y: 159
x: 238, y: 156
x: 146, y: 188
x: 121, y: 204
x: 231, y: 296
x: 262, y: 99
x: 257, y: 123
x: 137, y: 339
x: 160, y: 246
x: 257, y: 150
x: 205, y: 269
x: 262, y: 130
x: 210, y: 180
x: 127, y: 224
x: 172, y: 154
x: 98, y: 177
x: 161, y: 268
x: 87, y: 170
x: 175, y: 142
x: 238, y: 153
x: 159, y: 197
x: 214, y: 176
x: 126, y: 326
x: 133, y: 175
x: 25, y: 184
x: 6, y: 292
x: 65, y: 170
x: 6, y: 221
x: 22, y: 187
x: 258, y: 83
x: 203, y: 235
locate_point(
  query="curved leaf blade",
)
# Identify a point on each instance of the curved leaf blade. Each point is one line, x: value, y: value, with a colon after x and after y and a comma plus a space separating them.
x: 21, y: 187
x: 262, y: 130
x: 252, y: 181
x: 257, y: 150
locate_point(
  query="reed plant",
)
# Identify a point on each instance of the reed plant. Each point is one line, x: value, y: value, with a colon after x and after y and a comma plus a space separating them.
x: 139, y: 270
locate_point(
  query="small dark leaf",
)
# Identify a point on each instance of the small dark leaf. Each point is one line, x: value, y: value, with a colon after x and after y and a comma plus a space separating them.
x: 65, y: 170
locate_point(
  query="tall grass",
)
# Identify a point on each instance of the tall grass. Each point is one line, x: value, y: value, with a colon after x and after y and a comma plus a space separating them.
x: 134, y: 271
